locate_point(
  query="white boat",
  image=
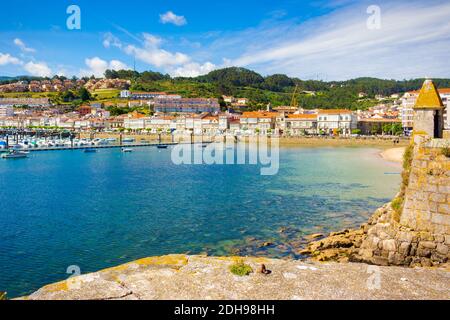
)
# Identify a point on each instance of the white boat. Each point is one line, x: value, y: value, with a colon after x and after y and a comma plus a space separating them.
x: 14, y: 155
x: 127, y: 150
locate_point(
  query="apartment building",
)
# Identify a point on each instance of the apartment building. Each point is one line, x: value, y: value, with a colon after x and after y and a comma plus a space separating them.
x: 300, y: 124
x: 260, y: 122
x: 186, y: 105
x: 334, y: 120
x: 6, y: 111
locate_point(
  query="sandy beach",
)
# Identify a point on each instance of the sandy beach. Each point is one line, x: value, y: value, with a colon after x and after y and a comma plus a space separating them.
x: 393, y: 154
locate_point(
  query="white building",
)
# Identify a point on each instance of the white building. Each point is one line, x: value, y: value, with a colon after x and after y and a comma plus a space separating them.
x: 125, y: 94
x: 330, y: 121
x: 6, y: 111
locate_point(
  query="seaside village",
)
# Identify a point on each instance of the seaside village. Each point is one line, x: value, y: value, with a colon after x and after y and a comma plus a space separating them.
x: 174, y: 114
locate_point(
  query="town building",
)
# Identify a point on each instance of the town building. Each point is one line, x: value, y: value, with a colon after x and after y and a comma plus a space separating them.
x: 259, y: 122
x: 377, y: 125
x: 85, y: 110
x: 335, y: 121
x: 146, y: 95
x: 29, y: 102
x: 300, y: 124
x: 186, y: 105
x: 6, y: 111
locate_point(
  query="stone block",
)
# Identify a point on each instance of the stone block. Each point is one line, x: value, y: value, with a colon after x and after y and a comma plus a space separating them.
x: 441, y: 219
x: 423, y: 252
x: 442, y: 249
x: 404, y: 248
x: 444, y: 209
x: 427, y: 244
x: 425, y: 262
x: 389, y: 245
x: 438, y: 197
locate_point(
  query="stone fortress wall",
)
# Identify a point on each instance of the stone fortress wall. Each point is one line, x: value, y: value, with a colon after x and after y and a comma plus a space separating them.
x: 421, y: 235
x: 416, y: 234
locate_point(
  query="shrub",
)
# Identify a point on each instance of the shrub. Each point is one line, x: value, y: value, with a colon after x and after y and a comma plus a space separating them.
x: 446, y: 151
x: 241, y: 269
x: 397, y: 206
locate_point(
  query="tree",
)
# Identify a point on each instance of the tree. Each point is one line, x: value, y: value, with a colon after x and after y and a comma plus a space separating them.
x: 84, y: 94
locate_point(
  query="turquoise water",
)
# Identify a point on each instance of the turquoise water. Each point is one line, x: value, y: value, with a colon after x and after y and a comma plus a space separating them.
x: 66, y: 208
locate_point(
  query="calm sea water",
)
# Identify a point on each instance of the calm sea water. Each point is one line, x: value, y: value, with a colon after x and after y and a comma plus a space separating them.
x: 66, y: 208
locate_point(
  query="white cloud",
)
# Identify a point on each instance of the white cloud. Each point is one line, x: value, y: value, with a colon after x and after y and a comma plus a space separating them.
x: 170, y: 17
x: 151, y: 53
x: 98, y: 66
x: 118, y: 65
x: 6, y: 58
x: 18, y: 42
x: 193, y: 69
x: 110, y: 40
x: 39, y: 69
x: 414, y: 41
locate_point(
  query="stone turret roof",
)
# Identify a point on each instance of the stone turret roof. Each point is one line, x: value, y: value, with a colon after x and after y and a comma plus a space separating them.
x: 429, y: 97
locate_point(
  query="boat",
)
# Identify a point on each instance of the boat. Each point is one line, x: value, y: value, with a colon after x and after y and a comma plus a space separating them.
x: 162, y: 146
x: 128, y: 140
x: 90, y: 150
x: 14, y: 155
x: 127, y: 150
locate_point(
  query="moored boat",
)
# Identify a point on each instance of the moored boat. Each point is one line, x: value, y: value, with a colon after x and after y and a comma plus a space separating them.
x: 14, y: 155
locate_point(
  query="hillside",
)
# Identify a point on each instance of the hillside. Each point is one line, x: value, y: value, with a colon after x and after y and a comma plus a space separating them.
x: 276, y: 89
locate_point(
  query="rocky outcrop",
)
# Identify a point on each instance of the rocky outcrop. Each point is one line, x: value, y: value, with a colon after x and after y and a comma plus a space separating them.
x: 200, y: 277
x: 383, y: 241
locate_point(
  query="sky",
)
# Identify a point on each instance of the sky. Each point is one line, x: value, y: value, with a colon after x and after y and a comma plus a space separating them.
x: 316, y: 39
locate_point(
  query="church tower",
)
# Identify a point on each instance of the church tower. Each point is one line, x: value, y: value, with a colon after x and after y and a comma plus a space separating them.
x: 429, y: 112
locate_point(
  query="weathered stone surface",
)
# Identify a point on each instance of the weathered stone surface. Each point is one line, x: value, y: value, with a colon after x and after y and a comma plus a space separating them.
x: 389, y: 245
x: 442, y: 249
x: 208, y: 278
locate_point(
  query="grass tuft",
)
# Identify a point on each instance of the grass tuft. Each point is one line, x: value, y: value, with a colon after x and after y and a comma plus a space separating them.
x: 241, y: 269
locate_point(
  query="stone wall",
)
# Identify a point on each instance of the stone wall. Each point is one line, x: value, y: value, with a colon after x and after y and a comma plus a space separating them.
x: 420, y: 236
x: 427, y: 197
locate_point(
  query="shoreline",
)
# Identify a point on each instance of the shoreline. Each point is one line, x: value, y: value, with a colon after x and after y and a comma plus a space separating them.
x: 393, y: 154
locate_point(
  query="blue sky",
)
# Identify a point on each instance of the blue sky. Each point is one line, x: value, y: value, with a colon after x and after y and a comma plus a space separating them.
x: 317, y: 39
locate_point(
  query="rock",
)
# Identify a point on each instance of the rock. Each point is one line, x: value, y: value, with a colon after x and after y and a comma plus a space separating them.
x: 427, y: 244
x: 424, y: 252
x: 389, y: 245
x: 404, y: 248
x: 442, y: 249
x: 425, y: 262
x: 266, y: 244
x: 314, y: 236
